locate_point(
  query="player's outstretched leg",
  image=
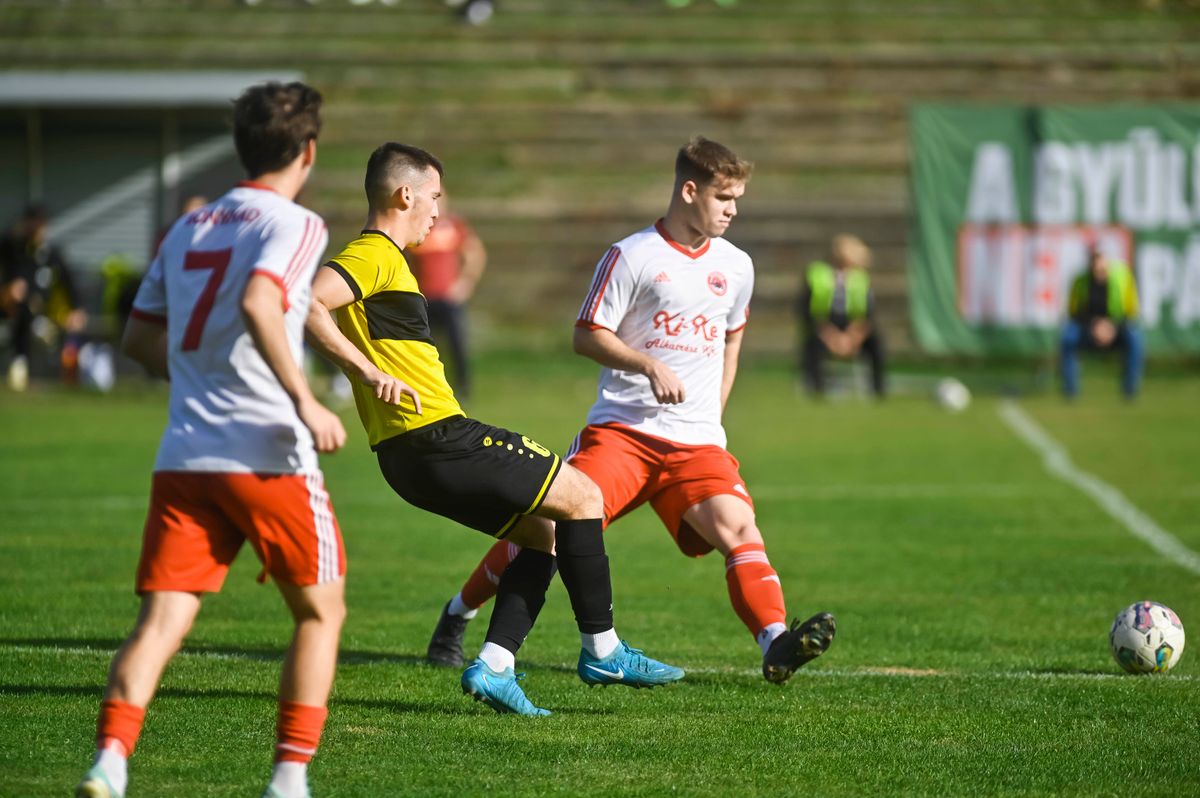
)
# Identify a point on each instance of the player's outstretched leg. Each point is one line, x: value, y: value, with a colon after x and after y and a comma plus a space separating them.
x: 802, y: 643
x: 726, y: 522
x: 499, y: 690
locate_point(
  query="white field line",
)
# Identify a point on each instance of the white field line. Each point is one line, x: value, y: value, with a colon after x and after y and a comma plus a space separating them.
x: 867, y: 672
x: 1057, y: 461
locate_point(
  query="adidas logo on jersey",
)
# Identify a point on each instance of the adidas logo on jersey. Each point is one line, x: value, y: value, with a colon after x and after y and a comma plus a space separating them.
x: 662, y: 277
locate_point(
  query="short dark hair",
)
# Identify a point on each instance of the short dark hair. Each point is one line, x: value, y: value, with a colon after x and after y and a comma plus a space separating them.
x: 273, y: 122
x: 703, y: 160
x: 389, y: 165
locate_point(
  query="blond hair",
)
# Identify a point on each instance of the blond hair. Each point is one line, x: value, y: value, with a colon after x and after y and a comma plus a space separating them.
x: 850, y: 250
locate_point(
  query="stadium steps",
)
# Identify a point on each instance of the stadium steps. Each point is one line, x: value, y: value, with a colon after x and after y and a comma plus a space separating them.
x: 558, y: 126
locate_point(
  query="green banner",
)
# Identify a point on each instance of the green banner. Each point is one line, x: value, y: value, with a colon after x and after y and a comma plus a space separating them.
x: 1007, y: 201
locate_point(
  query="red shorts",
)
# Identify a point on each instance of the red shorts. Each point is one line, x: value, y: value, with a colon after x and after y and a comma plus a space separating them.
x: 198, y: 521
x: 632, y: 468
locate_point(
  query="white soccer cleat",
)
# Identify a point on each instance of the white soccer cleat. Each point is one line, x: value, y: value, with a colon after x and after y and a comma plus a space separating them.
x: 95, y: 784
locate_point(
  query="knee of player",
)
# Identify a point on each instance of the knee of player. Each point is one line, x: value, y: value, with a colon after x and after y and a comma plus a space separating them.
x: 330, y: 613
x: 739, y: 534
x: 533, y: 532
x: 590, y: 499
x: 164, y: 630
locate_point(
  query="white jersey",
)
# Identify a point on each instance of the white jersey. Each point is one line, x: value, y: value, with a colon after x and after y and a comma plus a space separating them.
x: 677, y: 306
x: 228, y: 412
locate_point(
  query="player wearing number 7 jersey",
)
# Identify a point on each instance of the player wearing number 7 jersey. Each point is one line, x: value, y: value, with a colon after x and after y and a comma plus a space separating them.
x: 221, y: 313
x: 665, y: 316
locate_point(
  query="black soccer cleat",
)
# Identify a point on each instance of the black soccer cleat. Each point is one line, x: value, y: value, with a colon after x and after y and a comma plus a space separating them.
x: 800, y: 644
x: 446, y: 645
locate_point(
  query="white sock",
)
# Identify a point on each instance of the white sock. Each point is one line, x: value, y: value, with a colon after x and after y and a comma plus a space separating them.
x: 601, y: 645
x: 767, y: 636
x: 497, y: 657
x: 115, y: 767
x: 290, y: 779
x: 457, y: 607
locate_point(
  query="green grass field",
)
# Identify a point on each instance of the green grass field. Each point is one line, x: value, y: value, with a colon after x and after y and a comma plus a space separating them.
x: 974, y: 594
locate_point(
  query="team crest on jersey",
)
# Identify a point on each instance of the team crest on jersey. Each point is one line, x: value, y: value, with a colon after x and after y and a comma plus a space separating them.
x: 718, y: 283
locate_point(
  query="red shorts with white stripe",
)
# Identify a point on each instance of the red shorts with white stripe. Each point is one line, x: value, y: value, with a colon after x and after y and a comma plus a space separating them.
x: 198, y: 521
x: 632, y: 468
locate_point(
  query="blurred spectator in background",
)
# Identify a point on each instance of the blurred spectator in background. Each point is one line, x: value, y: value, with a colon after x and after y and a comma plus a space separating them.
x: 448, y: 265
x: 837, y: 310
x: 1102, y: 314
x: 37, y: 296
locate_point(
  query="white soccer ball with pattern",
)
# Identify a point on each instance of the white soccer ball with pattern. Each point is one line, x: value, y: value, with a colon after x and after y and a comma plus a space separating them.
x: 952, y: 395
x: 1146, y: 637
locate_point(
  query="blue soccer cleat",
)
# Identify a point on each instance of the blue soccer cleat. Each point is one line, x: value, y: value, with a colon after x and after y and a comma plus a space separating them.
x: 627, y: 666
x: 499, y: 691
x: 95, y: 784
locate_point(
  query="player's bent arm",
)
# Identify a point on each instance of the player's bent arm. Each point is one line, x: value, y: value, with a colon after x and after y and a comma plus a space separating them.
x: 733, y: 349
x: 146, y: 342
x: 603, y: 346
x: 262, y: 310
x: 330, y: 292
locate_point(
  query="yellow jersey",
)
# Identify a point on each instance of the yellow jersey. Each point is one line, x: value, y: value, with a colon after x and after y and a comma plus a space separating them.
x: 389, y: 323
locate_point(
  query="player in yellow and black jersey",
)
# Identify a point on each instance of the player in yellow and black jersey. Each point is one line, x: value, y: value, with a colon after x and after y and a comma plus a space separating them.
x: 488, y: 478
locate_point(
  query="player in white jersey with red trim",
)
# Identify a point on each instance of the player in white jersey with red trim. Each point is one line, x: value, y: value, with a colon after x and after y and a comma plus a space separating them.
x: 221, y: 313
x: 665, y: 317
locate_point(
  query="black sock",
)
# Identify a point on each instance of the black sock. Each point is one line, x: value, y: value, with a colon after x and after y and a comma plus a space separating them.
x: 520, y: 598
x: 584, y: 568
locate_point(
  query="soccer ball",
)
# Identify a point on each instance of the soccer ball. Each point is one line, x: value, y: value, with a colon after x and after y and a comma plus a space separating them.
x: 952, y: 395
x: 1146, y: 637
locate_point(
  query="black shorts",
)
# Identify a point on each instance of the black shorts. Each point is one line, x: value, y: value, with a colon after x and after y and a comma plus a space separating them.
x: 481, y: 476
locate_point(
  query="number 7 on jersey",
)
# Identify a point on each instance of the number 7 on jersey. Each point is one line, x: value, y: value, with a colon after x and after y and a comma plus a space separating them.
x: 218, y: 262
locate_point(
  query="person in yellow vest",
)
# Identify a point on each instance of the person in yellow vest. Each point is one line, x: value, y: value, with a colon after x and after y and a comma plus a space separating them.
x: 1102, y: 314
x: 837, y: 309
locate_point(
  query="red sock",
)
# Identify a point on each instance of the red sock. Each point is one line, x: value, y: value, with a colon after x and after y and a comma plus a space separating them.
x: 485, y: 579
x: 119, y: 726
x: 298, y: 731
x: 754, y: 588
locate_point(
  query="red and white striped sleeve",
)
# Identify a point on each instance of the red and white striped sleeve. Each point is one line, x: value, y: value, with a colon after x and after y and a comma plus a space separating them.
x: 290, y: 250
x: 611, y: 293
